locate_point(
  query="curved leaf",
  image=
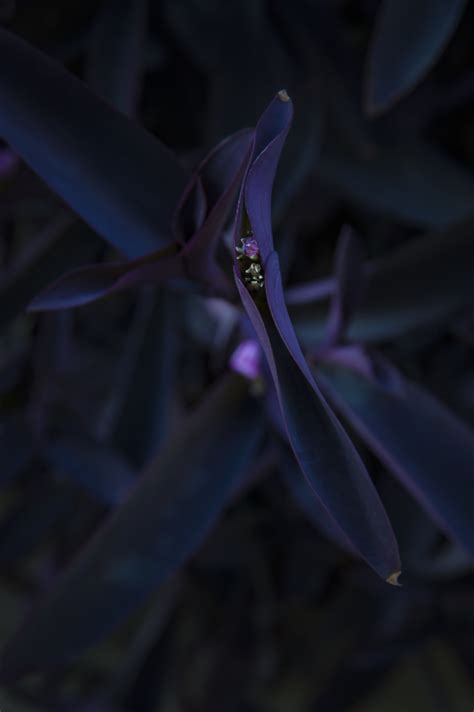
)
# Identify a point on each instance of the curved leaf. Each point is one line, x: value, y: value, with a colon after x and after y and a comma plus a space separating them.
x: 218, y: 178
x: 163, y: 521
x: 420, y: 283
x: 118, y: 177
x: 86, y: 284
x: 408, y: 39
x: 416, y: 437
x: 325, y: 454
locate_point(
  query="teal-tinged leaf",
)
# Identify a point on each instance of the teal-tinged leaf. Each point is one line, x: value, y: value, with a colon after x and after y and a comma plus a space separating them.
x: 408, y: 39
x: 118, y: 177
x: 412, y: 182
x: 162, y: 522
x: 421, y: 283
x: 428, y: 448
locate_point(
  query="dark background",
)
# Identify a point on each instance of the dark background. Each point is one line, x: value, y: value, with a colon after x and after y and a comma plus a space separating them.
x: 268, y: 615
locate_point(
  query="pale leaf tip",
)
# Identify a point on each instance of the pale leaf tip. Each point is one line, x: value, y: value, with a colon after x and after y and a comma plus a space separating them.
x: 393, y: 578
x: 283, y: 95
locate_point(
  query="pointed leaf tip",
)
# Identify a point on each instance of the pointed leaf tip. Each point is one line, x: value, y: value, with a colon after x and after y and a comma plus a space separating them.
x: 393, y: 579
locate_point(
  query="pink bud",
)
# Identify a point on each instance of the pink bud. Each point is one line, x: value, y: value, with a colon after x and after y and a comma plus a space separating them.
x: 246, y: 359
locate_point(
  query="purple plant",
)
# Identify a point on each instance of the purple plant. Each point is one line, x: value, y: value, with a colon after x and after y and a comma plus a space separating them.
x: 308, y: 376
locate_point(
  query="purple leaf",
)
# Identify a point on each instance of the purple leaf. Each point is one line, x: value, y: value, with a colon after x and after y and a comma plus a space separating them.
x: 408, y: 39
x: 420, y: 283
x: 159, y: 526
x: 118, y: 177
x: 221, y: 174
x: 87, y: 284
x: 326, y: 456
x: 417, y: 438
x: 215, y: 185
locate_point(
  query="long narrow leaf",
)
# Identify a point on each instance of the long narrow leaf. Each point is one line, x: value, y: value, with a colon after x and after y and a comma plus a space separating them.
x: 408, y: 39
x: 418, y: 439
x: 117, y: 176
x: 156, y: 530
x: 325, y: 454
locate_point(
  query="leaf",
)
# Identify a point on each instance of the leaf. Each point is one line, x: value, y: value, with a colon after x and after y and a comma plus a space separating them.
x: 421, y: 283
x: 96, y: 468
x: 114, y: 174
x: 57, y: 248
x: 163, y: 521
x: 86, y: 284
x: 419, y: 440
x: 349, y: 270
x: 408, y: 39
x: 219, y: 176
x: 325, y: 454
x: 116, y: 57
x: 311, y: 505
x: 409, y: 181
x: 143, y: 394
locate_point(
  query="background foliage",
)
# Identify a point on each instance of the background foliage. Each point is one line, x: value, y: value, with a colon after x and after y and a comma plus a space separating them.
x: 126, y: 439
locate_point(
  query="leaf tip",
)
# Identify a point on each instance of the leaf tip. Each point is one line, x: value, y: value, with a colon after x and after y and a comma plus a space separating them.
x: 283, y: 95
x: 393, y: 579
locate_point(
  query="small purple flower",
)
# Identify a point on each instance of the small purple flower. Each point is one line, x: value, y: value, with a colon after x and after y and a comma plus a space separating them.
x: 246, y: 359
x: 249, y: 248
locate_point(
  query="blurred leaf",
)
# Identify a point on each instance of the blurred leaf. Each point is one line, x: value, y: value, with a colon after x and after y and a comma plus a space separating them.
x: 38, y: 513
x: 415, y: 436
x: 408, y: 39
x: 418, y: 284
x: 116, y: 57
x: 16, y: 449
x: 349, y: 271
x: 96, y: 468
x: 119, y: 178
x: 413, y: 182
x: 143, y: 394
x: 56, y: 249
x: 164, y: 520
x: 324, y: 452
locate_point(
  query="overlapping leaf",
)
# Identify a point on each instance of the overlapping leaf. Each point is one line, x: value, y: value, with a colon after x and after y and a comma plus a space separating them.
x: 162, y: 522
x: 118, y: 177
x: 420, y: 283
x: 408, y: 39
x: 418, y: 439
x: 326, y: 456
x: 191, y: 256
